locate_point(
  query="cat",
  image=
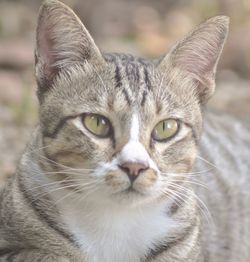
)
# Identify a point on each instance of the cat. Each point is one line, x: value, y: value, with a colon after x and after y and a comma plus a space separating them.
x: 115, y: 170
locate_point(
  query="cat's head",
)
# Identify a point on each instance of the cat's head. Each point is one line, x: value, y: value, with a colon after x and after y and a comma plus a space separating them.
x: 116, y: 126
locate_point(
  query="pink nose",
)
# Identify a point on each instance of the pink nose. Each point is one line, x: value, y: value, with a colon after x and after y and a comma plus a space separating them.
x: 133, y: 170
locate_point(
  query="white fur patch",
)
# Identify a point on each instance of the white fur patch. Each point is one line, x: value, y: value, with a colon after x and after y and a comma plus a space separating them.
x: 135, y: 128
x: 134, y: 151
x: 78, y: 123
x: 115, y: 232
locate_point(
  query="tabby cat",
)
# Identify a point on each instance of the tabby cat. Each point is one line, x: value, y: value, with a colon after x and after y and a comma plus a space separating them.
x: 115, y: 170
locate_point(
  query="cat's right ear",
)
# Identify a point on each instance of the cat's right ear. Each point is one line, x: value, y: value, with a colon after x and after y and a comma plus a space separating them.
x: 61, y: 41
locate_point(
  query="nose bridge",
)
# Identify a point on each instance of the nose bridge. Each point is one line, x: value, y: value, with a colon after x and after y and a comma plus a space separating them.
x: 122, y: 137
x: 129, y: 131
x: 135, y: 128
x: 133, y: 151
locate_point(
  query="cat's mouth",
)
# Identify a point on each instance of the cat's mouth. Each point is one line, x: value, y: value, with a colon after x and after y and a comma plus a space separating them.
x: 131, y: 190
x: 120, y: 184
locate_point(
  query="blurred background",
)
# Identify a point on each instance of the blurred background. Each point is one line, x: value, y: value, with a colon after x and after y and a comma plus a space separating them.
x: 141, y: 27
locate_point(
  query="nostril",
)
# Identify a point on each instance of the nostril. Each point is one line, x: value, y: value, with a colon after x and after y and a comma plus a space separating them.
x: 133, y: 170
x: 125, y: 169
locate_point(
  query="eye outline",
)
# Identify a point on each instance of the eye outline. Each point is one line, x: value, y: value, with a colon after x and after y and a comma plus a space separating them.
x: 168, y: 138
x: 110, y: 131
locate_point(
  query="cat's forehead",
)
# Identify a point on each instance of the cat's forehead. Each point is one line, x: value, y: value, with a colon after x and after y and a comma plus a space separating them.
x: 125, y: 85
x: 133, y: 84
x: 130, y: 71
x: 141, y: 85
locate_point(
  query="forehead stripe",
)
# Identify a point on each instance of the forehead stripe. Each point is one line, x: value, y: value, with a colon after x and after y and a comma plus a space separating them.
x: 144, y: 97
x: 125, y: 92
x: 58, y: 127
x: 118, y: 77
x: 146, y: 78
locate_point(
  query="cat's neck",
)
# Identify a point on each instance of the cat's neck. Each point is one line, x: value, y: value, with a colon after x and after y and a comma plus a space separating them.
x: 105, y: 230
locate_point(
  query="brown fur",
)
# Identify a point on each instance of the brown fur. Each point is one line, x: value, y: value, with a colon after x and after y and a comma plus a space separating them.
x: 58, y: 171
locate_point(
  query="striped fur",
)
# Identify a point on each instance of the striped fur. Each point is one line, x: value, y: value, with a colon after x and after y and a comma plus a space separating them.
x: 70, y: 200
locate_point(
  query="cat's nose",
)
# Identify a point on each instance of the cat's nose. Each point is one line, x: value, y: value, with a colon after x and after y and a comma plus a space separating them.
x: 133, y: 170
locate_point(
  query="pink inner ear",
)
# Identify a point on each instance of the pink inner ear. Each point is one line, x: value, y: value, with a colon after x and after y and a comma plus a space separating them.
x: 45, y: 47
x: 46, y: 51
x: 198, y: 56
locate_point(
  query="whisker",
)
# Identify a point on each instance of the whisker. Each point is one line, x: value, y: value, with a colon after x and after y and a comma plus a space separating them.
x: 82, y: 197
x: 206, y: 161
x: 85, y: 187
x: 175, y: 196
x: 205, y: 212
x: 188, y: 173
x: 38, y: 149
x: 189, y: 182
x: 66, y: 172
x: 78, y: 190
x: 58, y: 183
x: 67, y: 168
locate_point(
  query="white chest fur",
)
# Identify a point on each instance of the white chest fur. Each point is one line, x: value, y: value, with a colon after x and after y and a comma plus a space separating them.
x: 118, y: 234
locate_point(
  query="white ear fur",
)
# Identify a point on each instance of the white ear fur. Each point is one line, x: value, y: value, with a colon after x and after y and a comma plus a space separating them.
x: 61, y: 41
x: 198, y: 54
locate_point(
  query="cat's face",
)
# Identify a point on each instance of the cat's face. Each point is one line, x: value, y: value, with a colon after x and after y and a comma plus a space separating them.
x: 117, y: 127
x: 131, y: 137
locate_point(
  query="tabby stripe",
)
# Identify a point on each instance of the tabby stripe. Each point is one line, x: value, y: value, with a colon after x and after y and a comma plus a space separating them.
x: 194, y: 133
x: 59, y: 126
x: 7, y: 251
x: 132, y: 72
x: 118, y: 77
x: 174, y: 208
x: 125, y: 92
x: 146, y: 78
x: 46, y: 154
x: 38, y: 208
x: 11, y: 256
x: 164, y: 247
x: 178, y: 203
x: 137, y: 74
x: 144, y: 97
x: 8, y: 255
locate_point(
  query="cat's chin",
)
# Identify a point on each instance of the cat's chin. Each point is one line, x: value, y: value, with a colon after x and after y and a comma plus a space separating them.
x: 132, y: 197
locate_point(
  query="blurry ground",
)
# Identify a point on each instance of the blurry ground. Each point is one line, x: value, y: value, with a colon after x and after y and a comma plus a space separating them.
x: 145, y: 27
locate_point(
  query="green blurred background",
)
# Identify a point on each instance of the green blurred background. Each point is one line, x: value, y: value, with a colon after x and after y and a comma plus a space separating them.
x: 142, y: 27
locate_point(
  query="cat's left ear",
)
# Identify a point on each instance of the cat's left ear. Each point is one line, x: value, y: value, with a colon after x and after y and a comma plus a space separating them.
x: 61, y: 41
x: 198, y: 54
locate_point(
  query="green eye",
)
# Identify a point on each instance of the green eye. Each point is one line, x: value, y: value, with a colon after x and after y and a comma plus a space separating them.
x: 165, y: 129
x: 97, y: 125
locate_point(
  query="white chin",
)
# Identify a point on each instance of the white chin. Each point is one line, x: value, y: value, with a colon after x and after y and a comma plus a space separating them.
x: 131, y: 198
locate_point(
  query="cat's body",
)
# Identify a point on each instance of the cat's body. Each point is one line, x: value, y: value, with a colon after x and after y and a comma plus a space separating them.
x: 108, y: 175
x: 225, y: 144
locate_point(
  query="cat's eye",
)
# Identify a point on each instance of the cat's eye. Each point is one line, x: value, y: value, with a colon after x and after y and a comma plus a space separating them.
x: 165, y: 130
x: 97, y: 125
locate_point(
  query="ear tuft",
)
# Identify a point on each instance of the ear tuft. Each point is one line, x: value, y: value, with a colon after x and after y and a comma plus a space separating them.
x: 61, y: 41
x: 199, y: 52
